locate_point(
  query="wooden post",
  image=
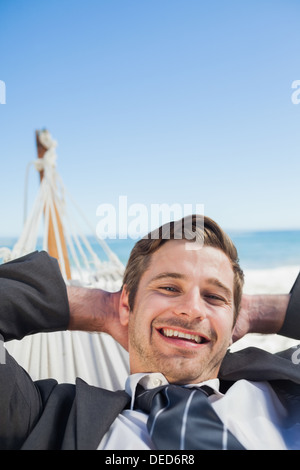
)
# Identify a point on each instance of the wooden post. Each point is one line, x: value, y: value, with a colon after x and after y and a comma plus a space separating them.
x: 52, y: 245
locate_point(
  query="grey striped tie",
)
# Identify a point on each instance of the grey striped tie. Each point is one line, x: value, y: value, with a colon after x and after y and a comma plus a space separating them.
x: 182, y: 418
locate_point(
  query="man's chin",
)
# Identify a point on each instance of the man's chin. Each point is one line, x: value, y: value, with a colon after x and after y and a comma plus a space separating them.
x: 182, y: 373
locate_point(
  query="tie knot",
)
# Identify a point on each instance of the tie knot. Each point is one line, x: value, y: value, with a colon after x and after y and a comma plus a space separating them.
x: 144, y: 398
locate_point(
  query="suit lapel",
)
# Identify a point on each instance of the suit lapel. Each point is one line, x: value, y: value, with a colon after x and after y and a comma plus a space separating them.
x: 259, y: 365
x: 96, y: 409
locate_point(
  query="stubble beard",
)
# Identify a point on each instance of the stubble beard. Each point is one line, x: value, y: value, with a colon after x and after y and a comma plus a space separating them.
x: 182, y: 368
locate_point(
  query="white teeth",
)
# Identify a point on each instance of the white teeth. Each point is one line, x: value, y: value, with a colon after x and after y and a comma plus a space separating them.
x: 168, y: 332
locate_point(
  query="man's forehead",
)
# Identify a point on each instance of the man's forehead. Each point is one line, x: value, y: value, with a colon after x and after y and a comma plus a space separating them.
x: 173, y: 258
x: 173, y: 248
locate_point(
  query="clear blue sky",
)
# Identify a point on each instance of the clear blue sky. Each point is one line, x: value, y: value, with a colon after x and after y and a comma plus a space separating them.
x: 164, y: 101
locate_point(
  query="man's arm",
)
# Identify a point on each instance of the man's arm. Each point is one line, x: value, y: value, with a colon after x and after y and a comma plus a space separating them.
x: 96, y: 310
x: 291, y: 324
x: 270, y: 314
x: 261, y: 314
x: 33, y: 296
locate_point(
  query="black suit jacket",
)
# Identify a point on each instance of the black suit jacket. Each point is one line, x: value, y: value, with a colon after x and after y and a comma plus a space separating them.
x: 48, y: 415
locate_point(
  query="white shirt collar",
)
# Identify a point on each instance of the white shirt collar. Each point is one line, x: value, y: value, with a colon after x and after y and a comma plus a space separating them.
x: 156, y: 379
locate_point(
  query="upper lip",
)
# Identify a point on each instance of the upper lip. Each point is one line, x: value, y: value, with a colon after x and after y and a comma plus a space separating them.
x: 183, y: 333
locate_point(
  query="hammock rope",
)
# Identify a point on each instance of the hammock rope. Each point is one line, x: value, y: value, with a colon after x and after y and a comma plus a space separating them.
x: 50, y: 204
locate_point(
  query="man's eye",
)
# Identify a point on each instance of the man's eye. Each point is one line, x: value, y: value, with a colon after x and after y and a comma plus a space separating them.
x: 169, y: 288
x: 215, y: 298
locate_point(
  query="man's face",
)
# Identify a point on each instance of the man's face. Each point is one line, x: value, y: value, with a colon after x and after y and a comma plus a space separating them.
x: 182, y: 320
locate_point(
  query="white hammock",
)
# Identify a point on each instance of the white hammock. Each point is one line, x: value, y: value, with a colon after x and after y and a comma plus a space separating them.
x: 96, y: 358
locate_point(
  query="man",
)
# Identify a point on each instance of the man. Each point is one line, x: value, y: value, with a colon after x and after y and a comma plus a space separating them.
x: 179, y: 304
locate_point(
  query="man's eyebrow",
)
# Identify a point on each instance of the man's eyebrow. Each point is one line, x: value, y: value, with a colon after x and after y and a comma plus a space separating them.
x: 165, y: 275
x: 217, y: 283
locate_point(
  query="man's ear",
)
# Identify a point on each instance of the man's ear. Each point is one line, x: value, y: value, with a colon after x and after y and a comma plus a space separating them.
x: 124, y: 307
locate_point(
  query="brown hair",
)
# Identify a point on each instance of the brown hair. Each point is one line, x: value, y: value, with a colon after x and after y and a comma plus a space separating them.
x: 195, y: 228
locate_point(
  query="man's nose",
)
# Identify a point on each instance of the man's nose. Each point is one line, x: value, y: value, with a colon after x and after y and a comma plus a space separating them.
x: 191, y: 304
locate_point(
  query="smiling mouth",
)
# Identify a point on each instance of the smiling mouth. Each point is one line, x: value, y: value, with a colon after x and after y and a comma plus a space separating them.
x: 190, y: 337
